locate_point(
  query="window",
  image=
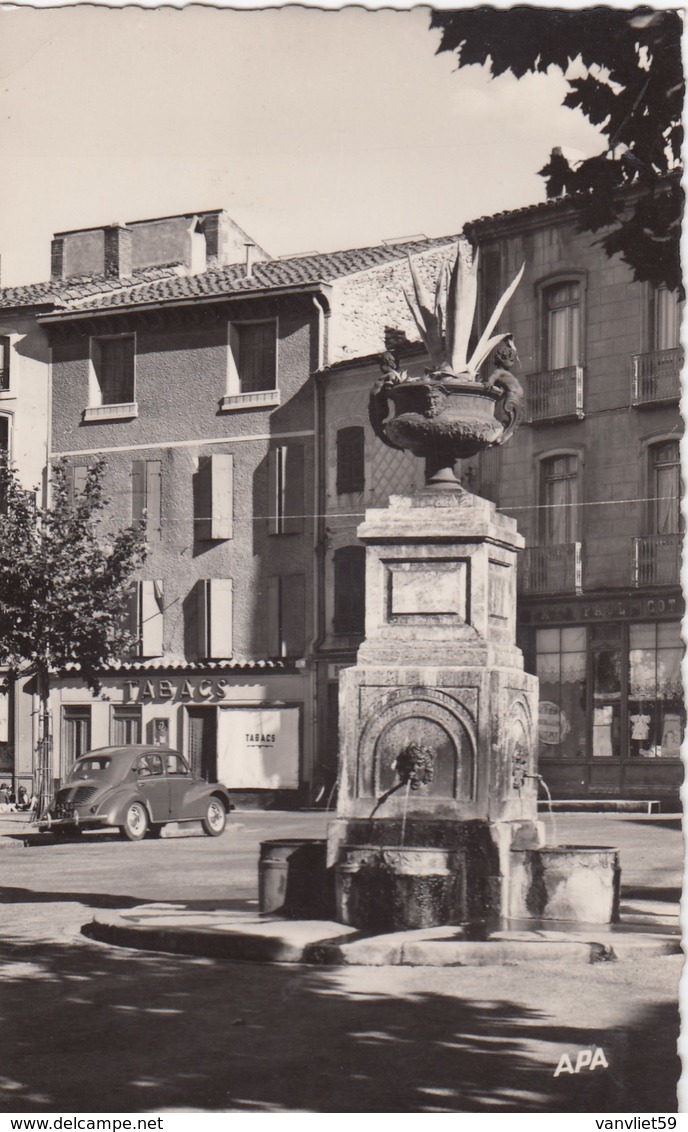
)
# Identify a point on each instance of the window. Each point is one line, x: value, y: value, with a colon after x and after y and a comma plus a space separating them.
x: 560, y: 667
x: 145, y: 617
x: 286, y: 490
x: 667, y: 311
x: 665, y: 488
x: 253, y: 361
x: 148, y: 765
x: 76, y: 735
x: 113, y: 364
x: 350, y: 460
x: 215, y: 616
x: 174, y: 764
x: 5, y: 433
x: 214, y: 497
x: 655, y: 706
x: 287, y: 615
x: 349, y: 590
x: 559, y: 482
x: 146, y: 496
x: 561, y: 325
x: 4, y: 363
x: 126, y: 727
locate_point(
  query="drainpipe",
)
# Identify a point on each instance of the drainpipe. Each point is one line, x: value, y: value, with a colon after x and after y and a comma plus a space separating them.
x: 319, y: 524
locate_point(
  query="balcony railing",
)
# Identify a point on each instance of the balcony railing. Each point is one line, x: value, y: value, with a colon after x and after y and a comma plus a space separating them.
x: 657, y: 560
x: 555, y: 394
x: 551, y: 569
x: 657, y: 376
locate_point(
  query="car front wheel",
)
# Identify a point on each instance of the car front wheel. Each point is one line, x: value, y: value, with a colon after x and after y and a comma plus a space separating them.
x: 135, y: 822
x: 215, y: 818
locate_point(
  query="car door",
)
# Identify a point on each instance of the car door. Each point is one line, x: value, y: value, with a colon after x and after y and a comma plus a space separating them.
x: 153, y: 785
x: 180, y: 781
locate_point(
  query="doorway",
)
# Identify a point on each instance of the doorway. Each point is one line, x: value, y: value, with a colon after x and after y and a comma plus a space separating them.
x: 202, y: 747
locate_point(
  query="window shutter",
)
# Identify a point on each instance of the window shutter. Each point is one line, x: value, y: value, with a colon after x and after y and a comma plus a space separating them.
x: 151, y: 618
x: 349, y: 590
x: 138, y: 490
x: 153, y: 500
x: 350, y: 460
x: 221, y: 612
x: 130, y: 617
x: 275, y: 501
x: 293, y: 490
x: 78, y: 481
x: 273, y: 612
x: 203, y: 595
x: 221, y: 495
x: 4, y: 364
x: 293, y: 614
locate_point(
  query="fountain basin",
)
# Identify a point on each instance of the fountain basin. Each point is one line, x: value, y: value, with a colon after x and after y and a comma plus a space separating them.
x: 574, y: 883
x: 383, y: 888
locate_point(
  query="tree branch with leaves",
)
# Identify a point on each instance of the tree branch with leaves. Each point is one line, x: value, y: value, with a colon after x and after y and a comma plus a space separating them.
x: 64, y: 584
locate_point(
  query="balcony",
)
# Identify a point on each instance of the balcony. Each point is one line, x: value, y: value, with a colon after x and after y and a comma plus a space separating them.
x: 657, y: 560
x: 657, y: 377
x: 551, y: 569
x: 554, y: 395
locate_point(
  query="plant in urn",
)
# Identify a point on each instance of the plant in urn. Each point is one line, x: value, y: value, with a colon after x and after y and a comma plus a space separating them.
x: 450, y: 413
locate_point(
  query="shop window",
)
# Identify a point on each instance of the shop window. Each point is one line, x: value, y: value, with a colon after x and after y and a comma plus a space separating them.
x: 215, y: 617
x: 4, y: 363
x: 561, y: 330
x: 76, y: 735
x: 561, y: 669
x: 253, y: 350
x: 113, y: 367
x: 559, y: 497
x: 655, y: 705
x: 287, y: 615
x: 214, y: 497
x: 667, y: 311
x: 665, y: 488
x: 349, y: 590
x: 125, y: 726
x: 146, y: 496
x: 350, y: 460
x: 145, y: 617
x: 286, y: 490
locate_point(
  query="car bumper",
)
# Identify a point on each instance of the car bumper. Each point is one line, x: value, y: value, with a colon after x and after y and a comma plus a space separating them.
x: 91, y: 822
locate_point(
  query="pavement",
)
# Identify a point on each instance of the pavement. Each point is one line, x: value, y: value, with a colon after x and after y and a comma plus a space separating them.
x: 649, y: 924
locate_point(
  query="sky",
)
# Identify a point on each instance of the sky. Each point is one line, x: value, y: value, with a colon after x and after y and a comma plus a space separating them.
x: 315, y: 129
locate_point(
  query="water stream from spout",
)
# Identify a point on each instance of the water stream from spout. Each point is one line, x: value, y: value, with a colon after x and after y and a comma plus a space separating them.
x: 545, y: 787
x: 403, y: 816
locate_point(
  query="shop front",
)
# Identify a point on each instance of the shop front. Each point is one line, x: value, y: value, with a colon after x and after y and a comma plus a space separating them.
x: 245, y: 730
x: 612, y: 714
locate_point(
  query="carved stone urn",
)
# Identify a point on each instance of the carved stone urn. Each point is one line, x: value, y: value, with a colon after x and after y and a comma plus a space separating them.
x: 441, y: 420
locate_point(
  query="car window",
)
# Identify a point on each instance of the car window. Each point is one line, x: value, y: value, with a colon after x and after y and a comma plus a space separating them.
x: 89, y: 766
x: 175, y: 765
x: 147, y: 765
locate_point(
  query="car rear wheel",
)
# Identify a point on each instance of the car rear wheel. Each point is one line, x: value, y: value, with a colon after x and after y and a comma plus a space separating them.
x: 215, y: 818
x: 135, y: 822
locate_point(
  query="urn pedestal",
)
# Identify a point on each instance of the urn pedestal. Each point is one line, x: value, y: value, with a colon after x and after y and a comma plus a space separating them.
x: 437, y: 721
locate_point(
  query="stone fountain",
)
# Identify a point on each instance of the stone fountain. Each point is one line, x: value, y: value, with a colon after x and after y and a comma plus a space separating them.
x: 437, y: 807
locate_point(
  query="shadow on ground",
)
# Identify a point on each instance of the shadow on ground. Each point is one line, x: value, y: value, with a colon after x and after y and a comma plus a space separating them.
x: 112, y: 1031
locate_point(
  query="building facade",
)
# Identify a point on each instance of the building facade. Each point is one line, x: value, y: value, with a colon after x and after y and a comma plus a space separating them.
x: 592, y: 477
x: 184, y: 355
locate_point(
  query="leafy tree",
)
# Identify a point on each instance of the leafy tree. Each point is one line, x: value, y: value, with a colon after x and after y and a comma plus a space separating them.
x: 632, y: 89
x: 64, y: 583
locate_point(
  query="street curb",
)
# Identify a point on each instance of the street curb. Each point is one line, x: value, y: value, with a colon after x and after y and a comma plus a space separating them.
x: 287, y: 942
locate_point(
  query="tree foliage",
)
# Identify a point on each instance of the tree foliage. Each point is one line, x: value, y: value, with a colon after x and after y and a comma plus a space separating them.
x: 64, y: 581
x: 632, y: 89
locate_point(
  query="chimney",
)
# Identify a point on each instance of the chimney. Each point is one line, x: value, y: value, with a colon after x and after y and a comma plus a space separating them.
x: 57, y: 258
x: 249, y: 259
x: 117, y: 250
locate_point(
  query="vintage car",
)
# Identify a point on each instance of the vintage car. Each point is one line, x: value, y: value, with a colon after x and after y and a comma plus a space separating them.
x: 136, y: 790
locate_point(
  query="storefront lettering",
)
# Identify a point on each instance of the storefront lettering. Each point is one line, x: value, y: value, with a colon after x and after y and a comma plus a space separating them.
x: 616, y: 610
x: 202, y: 690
